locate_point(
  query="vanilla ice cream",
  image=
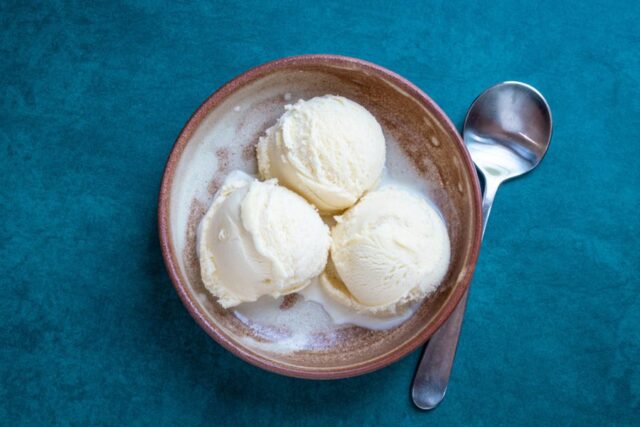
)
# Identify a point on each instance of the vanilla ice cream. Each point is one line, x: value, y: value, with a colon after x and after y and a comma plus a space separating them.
x: 391, y: 248
x: 259, y: 238
x: 329, y: 149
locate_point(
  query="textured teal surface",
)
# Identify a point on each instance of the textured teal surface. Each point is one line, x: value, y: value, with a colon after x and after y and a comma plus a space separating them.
x: 92, y: 96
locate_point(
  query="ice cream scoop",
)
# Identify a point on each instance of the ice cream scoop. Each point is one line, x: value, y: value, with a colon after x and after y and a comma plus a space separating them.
x: 259, y: 238
x: 329, y: 149
x: 391, y: 248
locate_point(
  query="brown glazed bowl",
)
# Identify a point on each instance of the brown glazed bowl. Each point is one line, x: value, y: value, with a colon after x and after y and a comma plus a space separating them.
x: 221, y: 136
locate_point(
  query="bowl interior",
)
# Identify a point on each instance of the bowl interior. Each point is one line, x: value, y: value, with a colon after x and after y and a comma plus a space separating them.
x: 221, y: 136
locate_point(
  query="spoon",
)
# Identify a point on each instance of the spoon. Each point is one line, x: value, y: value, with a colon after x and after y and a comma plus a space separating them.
x: 507, y: 132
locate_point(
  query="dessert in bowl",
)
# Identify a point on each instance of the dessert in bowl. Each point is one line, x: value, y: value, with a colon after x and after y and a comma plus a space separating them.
x: 307, y: 322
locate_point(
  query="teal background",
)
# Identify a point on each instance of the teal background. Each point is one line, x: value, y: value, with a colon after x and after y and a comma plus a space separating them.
x: 92, y: 96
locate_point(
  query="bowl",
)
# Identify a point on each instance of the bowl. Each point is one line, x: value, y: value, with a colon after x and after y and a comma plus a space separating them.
x: 221, y: 136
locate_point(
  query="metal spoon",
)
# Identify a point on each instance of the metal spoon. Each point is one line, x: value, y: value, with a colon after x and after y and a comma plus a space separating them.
x: 507, y: 132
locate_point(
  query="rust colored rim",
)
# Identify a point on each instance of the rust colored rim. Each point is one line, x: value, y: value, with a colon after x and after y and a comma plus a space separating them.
x: 166, y: 239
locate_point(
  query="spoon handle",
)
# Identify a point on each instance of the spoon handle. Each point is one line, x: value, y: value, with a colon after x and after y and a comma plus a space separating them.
x: 432, y: 377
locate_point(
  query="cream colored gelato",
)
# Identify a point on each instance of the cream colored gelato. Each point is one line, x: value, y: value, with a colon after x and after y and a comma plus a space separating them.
x: 328, y: 149
x: 391, y: 248
x: 259, y: 238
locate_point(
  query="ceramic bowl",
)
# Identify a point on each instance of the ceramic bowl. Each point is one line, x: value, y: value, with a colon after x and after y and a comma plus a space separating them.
x: 221, y: 136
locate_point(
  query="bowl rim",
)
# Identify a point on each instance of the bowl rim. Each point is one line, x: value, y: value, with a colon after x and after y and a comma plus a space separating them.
x: 171, y: 263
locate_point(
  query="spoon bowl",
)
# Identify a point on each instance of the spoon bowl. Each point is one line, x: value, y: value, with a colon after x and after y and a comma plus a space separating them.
x: 507, y: 130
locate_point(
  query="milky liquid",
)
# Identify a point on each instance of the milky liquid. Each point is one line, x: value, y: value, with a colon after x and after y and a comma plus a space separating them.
x: 313, y: 320
x: 341, y: 315
x: 305, y: 325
